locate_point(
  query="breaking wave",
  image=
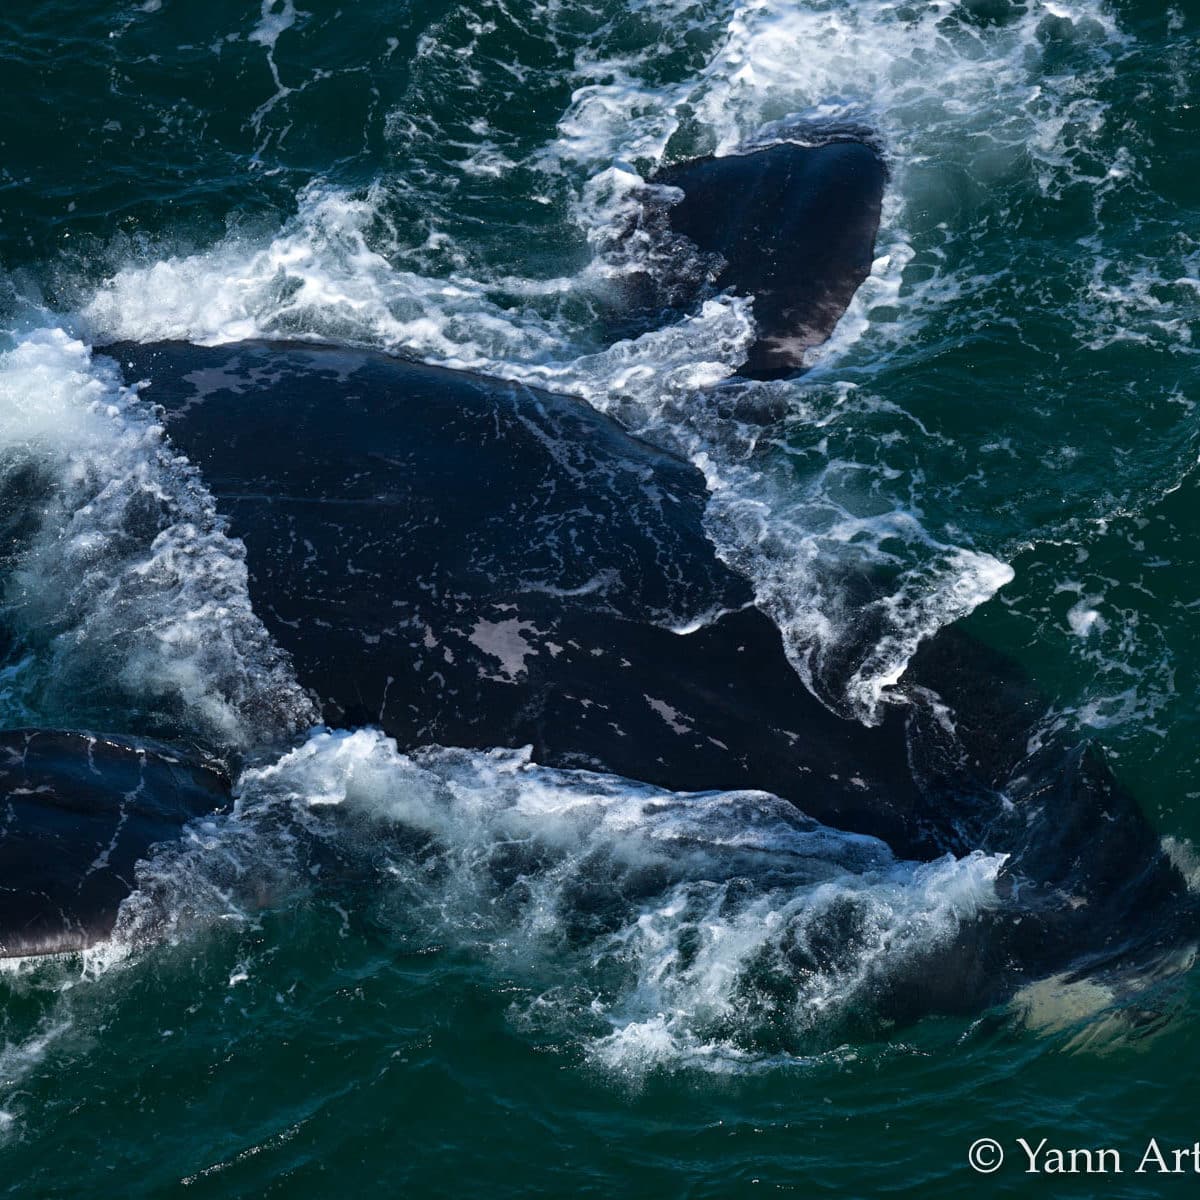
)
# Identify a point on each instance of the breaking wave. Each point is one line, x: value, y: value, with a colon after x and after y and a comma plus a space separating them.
x: 127, y: 598
x: 659, y: 928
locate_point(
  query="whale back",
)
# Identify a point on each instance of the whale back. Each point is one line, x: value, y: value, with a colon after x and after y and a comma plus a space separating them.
x: 474, y: 563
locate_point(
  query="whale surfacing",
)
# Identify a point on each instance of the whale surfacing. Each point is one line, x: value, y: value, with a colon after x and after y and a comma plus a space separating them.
x: 467, y: 562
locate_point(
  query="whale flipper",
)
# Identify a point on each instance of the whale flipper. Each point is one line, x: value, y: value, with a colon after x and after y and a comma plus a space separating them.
x: 796, y: 228
x: 791, y: 226
x: 77, y: 812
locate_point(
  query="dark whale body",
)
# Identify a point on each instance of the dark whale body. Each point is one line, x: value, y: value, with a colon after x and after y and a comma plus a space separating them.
x: 77, y: 812
x: 475, y: 563
x: 791, y: 225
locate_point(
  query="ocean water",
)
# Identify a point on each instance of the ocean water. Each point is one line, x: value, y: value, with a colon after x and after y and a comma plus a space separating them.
x: 1003, y: 426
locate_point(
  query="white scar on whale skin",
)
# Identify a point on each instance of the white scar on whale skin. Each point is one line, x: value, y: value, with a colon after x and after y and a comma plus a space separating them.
x: 507, y: 642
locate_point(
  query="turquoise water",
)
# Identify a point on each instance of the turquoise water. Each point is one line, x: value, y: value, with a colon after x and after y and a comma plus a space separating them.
x: 1004, y: 425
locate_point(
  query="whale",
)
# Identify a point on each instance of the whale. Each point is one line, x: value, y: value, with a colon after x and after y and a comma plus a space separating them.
x: 463, y: 561
x: 61, y: 889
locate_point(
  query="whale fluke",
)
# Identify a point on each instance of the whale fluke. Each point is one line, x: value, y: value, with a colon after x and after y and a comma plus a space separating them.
x: 77, y: 812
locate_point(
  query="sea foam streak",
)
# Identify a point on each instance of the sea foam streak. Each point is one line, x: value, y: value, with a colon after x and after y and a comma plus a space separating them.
x: 656, y: 926
x: 125, y: 588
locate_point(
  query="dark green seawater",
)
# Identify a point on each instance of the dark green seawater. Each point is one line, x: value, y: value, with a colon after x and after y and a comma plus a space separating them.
x: 1004, y: 424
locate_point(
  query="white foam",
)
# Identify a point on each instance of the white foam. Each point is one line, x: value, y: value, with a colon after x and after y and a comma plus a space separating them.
x: 1083, y: 619
x: 319, y: 278
x: 1185, y: 858
x: 641, y: 921
x: 128, y: 588
x: 1117, y: 641
x: 17, y: 1060
x: 695, y: 953
x: 276, y: 17
x: 957, y: 582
